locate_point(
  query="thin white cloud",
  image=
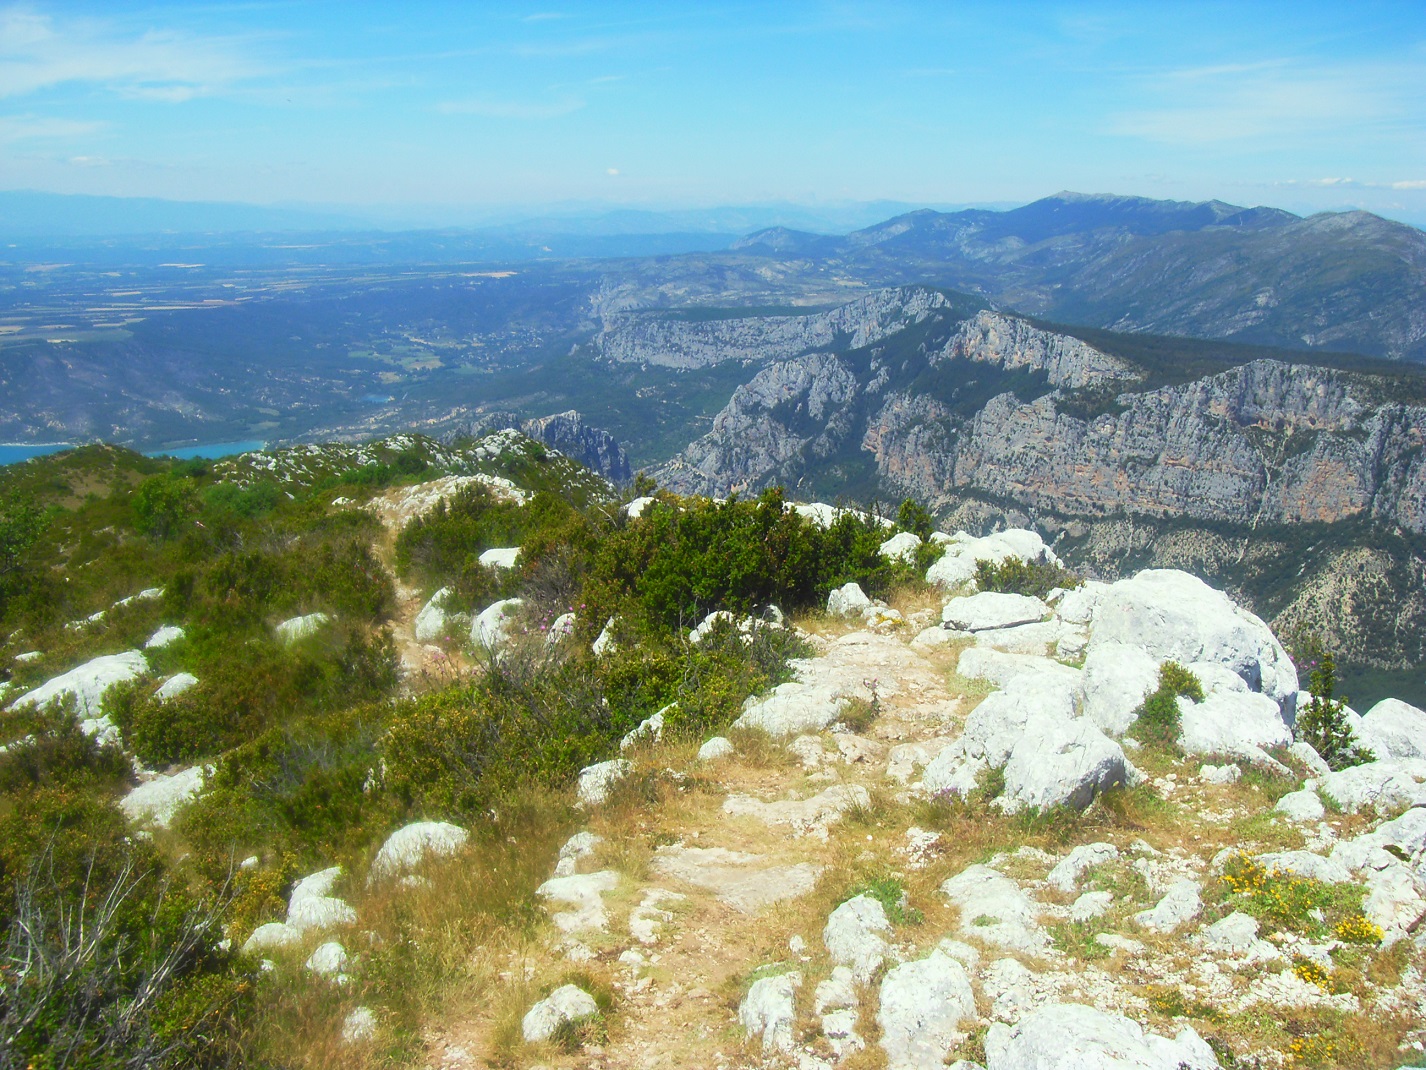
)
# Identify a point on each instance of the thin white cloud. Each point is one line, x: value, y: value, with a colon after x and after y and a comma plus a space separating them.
x: 1352, y: 183
x: 511, y: 109
x: 39, y: 128
x: 38, y: 52
x: 1267, y: 100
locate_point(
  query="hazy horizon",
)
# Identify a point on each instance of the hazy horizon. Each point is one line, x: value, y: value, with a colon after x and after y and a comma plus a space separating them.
x: 439, y: 110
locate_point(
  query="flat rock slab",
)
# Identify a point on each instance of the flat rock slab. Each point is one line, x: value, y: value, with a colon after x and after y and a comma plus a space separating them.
x: 736, y: 878
x: 804, y: 815
x: 991, y: 609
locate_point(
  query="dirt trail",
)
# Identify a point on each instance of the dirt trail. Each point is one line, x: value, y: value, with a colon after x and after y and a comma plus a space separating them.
x: 677, y: 987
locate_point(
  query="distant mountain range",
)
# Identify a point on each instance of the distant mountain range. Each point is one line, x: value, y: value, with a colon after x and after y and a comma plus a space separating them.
x: 1348, y: 280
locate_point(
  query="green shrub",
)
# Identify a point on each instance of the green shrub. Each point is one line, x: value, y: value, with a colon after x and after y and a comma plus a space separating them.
x: 1157, y: 721
x: 887, y: 890
x: 1323, y: 723
x: 1015, y: 576
x: 912, y: 516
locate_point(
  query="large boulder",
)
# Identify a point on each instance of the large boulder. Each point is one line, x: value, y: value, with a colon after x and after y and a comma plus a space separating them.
x: 1387, y: 785
x: 86, y: 684
x: 296, y: 629
x: 855, y: 936
x: 847, y: 600
x: 922, y: 1006
x: 793, y: 708
x: 431, y: 621
x: 1237, y: 723
x: 176, y: 685
x: 1175, y: 616
x: 409, y: 846
x: 598, y: 780
x: 957, y: 565
x: 1117, y: 677
x: 768, y: 1010
x: 566, y: 1005
x: 1069, y: 1036
x: 157, y: 801
x: 901, y: 547
x: 992, y: 609
x: 500, y: 557
x: 1058, y: 762
x: 1395, y: 729
x: 491, y: 629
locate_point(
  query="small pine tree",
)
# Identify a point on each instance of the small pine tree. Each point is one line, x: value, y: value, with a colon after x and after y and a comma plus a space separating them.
x: 1323, y: 723
x: 912, y: 516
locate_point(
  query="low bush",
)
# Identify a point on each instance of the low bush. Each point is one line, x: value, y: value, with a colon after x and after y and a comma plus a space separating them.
x: 1157, y: 720
x: 1285, y: 901
x: 1015, y: 576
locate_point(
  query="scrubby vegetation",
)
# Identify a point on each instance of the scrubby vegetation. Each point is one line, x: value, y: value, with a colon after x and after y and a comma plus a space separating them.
x: 1015, y: 576
x: 316, y: 752
x: 1157, y: 721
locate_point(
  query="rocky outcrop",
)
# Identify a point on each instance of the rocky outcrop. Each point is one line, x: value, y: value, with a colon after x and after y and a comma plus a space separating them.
x: 688, y: 340
x: 567, y: 432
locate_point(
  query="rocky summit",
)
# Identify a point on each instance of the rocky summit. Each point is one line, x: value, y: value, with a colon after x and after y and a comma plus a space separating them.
x: 950, y: 804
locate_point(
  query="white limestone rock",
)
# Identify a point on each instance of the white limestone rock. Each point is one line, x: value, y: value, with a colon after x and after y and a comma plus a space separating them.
x: 1077, y: 606
x: 329, y: 960
x: 994, y: 909
x: 312, y: 906
x: 1117, y: 677
x: 273, y: 936
x: 156, y: 802
x: 359, y: 1027
x: 1033, y: 639
x: 992, y: 609
x: 855, y: 936
x: 1301, y: 806
x: 956, y: 566
x: 1069, y: 1036
x: 1238, y: 724
x: 597, y: 781
x: 167, y: 635
x: 1389, y: 784
x: 847, y: 600
x: 584, y: 893
x: 715, y: 748
x: 491, y: 628
x: 1310, y: 759
x: 579, y: 846
x: 1237, y: 935
x: 1220, y: 774
x: 604, y: 643
x: 635, y: 508
x: 1059, y: 762
x: 1176, y: 616
x: 1091, y: 905
x: 1180, y: 905
x: 1065, y: 876
x: 705, y: 627
x: 1306, y: 864
x: 409, y: 846
x: 923, y: 1004
x: 901, y: 547
x: 649, y: 730
x: 999, y: 667
x: 432, y: 620
x: 295, y: 629
x: 500, y: 557
x: 88, y: 683
x: 793, y: 708
x: 565, y: 1005
x: 1396, y: 729
x: 175, y: 685
x: 935, y: 636
x: 768, y: 1010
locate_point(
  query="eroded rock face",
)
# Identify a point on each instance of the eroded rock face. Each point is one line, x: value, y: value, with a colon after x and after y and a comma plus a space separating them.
x: 1175, y: 616
x: 768, y: 1010
x: 855, y: 936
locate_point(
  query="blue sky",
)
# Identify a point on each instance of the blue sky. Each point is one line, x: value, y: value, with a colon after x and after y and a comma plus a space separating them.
x: 460, y: 107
